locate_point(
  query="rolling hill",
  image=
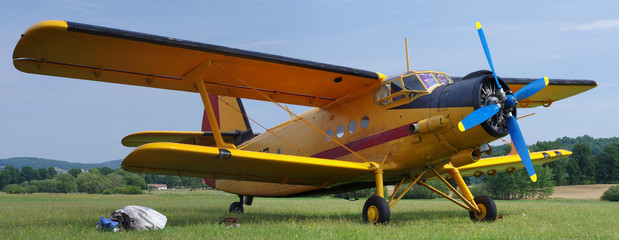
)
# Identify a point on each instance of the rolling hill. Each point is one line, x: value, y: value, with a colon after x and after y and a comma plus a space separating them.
x: 37, y: 163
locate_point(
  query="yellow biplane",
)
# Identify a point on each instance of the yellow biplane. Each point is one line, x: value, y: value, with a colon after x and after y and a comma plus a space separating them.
x: 366, y: 130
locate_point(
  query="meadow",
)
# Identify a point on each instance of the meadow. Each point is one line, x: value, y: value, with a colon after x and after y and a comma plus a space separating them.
x: 196, y: 214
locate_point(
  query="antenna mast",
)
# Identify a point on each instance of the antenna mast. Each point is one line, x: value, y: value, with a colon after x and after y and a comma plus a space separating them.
x: 408, y: 68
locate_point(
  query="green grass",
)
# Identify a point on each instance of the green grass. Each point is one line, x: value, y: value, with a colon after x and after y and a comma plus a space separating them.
x: 195, y: 215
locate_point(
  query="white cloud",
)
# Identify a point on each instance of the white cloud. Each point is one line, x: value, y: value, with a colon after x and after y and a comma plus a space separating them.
x: 262, y: 43
x: 80, y: 6
x: 596, y: 25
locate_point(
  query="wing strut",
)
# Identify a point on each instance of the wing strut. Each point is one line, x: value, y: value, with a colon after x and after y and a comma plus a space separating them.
x: 197, y: 75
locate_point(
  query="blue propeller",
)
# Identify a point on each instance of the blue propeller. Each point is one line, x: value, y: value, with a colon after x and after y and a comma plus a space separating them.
x: 479, y: 116
x: 508, y: 103
x: 484, y: 44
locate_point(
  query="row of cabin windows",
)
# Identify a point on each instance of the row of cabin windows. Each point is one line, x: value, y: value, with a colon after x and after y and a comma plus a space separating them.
x: 352, y: 128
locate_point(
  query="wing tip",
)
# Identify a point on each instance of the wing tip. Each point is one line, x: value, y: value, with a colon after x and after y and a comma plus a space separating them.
x: 47, y: 24
x: 381, y: 76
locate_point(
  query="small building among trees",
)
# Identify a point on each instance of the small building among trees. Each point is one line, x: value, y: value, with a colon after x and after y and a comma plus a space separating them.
x: 157, y: 186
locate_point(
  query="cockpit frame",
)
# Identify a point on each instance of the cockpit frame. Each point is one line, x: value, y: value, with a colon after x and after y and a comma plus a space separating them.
x: 409, y: 85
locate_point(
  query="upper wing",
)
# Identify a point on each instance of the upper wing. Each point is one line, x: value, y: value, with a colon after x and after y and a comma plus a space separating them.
x: 75, y: 50
x: 211, y: 162
x: 556, y: 90
x: 510, y: 163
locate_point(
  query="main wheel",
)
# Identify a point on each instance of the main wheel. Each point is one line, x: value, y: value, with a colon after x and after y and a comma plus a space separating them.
x: 236, y: 207
x: 376, y: 211
x: 487, y: 209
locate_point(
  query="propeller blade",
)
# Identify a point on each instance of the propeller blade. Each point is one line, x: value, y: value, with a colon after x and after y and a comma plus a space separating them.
x: 478, y: 116
x: 521, y: 147
x: 531, y: 88
x: 484, y: 44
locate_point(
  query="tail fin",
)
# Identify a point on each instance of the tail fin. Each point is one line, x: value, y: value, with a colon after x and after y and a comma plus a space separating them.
x: 231, y: 118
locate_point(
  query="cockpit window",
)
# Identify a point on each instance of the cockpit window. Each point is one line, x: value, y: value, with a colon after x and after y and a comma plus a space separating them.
x: 409, y: 85
x: 396, y: 86
x: 412, y: 83
x: 427, y: 79
x: 441, y: 78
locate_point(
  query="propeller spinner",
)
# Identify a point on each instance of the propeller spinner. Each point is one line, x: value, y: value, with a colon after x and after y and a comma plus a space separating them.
x: 505, y: 103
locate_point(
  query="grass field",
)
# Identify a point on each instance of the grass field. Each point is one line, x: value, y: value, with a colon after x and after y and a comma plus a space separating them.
x: 195, y: 215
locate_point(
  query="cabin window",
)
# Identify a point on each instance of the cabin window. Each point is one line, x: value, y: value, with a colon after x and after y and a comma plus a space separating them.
x: 352, y: 126
x: 339, y: 131
x: 365, y: 122
x: 330, y: 133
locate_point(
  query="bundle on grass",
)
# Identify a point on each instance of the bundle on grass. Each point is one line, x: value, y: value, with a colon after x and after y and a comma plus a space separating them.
x: 139, y: 218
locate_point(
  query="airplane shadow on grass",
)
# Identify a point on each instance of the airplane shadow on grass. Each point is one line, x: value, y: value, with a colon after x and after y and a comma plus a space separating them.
x: 213, y: 216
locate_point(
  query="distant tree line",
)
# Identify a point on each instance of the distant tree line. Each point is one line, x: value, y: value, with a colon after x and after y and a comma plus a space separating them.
x: 174, y: 181
x: 593, y: 161
x: 97, y: 180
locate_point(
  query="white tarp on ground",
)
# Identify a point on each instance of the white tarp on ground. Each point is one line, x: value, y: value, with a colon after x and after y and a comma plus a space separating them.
x: 139, y: 218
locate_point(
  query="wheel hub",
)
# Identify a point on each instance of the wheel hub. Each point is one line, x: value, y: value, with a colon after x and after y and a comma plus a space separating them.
x: 372, y: 214
x: 481, y: 214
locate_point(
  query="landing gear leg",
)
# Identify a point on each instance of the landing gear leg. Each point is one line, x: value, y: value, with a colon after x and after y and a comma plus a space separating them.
x: 237, y: 207
x: 376, y: 209
x: 481, y: 208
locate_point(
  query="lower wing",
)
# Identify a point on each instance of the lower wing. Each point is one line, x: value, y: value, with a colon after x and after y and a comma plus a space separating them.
x: 510, y: 163
x: 211, y: 162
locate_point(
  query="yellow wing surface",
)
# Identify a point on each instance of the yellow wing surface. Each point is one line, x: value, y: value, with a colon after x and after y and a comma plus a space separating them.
x: 556, y: 90
x: 82, y: 51
x: 510, y: 163
x: 211, y: 162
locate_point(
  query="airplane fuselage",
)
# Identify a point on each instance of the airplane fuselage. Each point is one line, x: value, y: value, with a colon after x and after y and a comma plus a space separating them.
x: 404, y: 132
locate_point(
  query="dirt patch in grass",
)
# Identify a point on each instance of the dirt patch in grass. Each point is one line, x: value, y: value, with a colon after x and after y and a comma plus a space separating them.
x: 593, y: 191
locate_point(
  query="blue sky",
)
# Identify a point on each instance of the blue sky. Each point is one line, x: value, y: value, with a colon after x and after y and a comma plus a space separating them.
x: 84, y: 121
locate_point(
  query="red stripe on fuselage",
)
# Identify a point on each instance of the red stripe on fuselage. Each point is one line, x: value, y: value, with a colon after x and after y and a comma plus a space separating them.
x: 364, y: 143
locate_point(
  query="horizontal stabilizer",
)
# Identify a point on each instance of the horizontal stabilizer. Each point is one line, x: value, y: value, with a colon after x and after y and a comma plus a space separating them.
x: 196, y: 138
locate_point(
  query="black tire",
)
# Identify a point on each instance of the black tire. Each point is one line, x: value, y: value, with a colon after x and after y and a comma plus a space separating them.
x: 487, y: 207
x: 236, y: 207
x: 376, y: 211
